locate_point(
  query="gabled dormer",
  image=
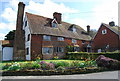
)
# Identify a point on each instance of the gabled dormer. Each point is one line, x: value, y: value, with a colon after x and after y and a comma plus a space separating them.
x: 72, y: 28
x: 54, y: 23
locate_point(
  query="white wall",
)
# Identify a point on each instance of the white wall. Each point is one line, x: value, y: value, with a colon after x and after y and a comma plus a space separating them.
x: 7, y: 53
x: 27, y: 43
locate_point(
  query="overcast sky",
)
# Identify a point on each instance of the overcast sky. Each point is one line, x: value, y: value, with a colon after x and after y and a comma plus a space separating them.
x: 80, y: 12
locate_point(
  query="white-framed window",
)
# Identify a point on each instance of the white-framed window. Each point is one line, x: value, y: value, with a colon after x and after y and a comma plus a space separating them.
x: 83, y: 41
x: 104, y: 31
x: 60, y: 39
x: 46, y: 38
x: 47, y: 50
x: 54, y: 25
x: 74, y: 41
x: 59, y: 49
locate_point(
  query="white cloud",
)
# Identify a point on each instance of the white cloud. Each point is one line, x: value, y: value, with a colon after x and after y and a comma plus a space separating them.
x: 105, y: 12
x: 46, y: 9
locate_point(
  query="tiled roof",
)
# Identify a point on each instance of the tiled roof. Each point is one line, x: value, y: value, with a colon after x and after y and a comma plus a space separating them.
x: 38, y: 25
x: 7, y: 43
x: 115, y: 29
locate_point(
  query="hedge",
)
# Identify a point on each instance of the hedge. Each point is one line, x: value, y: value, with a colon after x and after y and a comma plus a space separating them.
x: 91, y: 56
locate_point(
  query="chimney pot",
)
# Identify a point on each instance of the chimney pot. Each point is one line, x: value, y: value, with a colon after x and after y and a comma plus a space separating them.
x: 112, y: 23
x: 88, y: 29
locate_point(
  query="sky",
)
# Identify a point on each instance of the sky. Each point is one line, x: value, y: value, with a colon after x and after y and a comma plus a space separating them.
x: 79, y: 12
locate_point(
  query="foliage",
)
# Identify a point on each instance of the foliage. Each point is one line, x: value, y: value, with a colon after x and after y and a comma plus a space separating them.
x: 26, y: 65
x: 91, y: 56
x: 69, y: 48
x: 10, y: 35
x: 55, y: 58
x: 35, y: 65
x: 6, y: 66
x: 14, y: 67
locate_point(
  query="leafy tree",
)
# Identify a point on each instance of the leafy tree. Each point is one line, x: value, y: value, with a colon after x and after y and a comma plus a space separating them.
x: 93, y: 32
x: 10, y: 35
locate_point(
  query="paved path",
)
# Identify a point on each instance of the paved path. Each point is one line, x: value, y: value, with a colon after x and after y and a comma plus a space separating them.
x: 100, y: 75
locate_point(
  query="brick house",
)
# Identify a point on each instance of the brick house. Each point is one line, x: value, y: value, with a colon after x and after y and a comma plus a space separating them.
x: 48, y: 37
x: 107, y: 38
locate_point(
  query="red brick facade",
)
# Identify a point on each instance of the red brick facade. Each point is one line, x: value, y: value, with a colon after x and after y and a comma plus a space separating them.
x: 37, y: 43
x: 102, y: 40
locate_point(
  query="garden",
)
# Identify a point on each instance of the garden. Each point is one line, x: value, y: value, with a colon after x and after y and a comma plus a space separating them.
x: 73, y: 64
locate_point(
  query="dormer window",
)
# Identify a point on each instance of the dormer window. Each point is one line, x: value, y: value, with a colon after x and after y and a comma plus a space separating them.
x: 46, y: 38
x: 54, y: 23
x: 72, y: 28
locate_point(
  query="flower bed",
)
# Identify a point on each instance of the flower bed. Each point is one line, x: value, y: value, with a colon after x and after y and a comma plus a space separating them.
x: 50, y: 68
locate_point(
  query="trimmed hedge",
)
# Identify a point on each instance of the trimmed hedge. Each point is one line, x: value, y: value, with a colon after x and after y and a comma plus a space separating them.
x: 91, y: 56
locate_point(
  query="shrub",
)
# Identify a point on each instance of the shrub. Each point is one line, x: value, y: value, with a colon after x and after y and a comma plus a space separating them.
x: 60, y: 68
x: 35, y: 66
x: 25, y: 66
x: 55, y: 58
x: 6, y: 66
x: 47, y: 66
x: 14, y: 67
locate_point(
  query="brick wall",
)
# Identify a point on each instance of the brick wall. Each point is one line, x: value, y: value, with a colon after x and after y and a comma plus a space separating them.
x: 104, y: 39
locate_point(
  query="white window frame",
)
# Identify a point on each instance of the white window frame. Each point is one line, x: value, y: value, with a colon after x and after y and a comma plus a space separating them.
x: 46, y: 38
x: 74, y: 29
x: 47, y: 50
x: 54, y: 23
x: 74, y: 41
x: 60, y: 38
x: 104, y: 31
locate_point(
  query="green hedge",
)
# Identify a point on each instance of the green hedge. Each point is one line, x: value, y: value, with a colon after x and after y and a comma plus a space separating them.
x: 91, y: 56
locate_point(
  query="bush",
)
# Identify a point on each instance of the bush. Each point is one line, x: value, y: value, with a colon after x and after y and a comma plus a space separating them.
x: 14, y: 67
x: 6, y: 66
x: 25, y: 66
x: 92, y: 56
x: 35, y: 66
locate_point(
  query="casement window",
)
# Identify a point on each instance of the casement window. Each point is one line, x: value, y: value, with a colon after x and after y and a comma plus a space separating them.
x: 47, y: 50
x: 104, y: 31
x: 25, y: 23
x: 60, y: 39
x: 46, y: 38
x: 58, y: 49
x: 28, y: 38
x: 27, y: 51
x: 74, y: 41
x: 83, y: 41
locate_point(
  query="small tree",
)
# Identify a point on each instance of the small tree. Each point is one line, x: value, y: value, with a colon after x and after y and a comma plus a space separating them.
x: 10, y: 35
x: 93, y: 32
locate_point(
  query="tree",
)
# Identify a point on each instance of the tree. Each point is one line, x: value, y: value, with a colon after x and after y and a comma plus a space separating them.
x: 10, y: 35
x: 93, y: 32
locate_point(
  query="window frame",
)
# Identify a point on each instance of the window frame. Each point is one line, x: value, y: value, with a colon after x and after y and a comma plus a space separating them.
x: 60, y: 38
x: 26, y: 23
x: 28, y: 37
x: 83, y: 41
x: 46, y: 38
x: 74, y: 41
x: 104, y: 31
x: 46, y: 49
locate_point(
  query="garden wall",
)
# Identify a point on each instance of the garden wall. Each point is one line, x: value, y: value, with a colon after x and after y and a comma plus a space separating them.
x: 91, y: 56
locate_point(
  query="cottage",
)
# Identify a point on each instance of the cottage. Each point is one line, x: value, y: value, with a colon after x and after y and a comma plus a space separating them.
x: 107, y: 38
x: 47, y: 37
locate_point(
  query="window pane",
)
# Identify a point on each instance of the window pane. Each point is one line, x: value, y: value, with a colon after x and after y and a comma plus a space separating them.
x: 28, y: 37
x: 47, y: 50
x: 74, y: 41
x: 46, y: 38
x: 25, y: 23
x: 60, y: 39
x: 54, y: 25
x: 27, y: 51
x: 60, y: 49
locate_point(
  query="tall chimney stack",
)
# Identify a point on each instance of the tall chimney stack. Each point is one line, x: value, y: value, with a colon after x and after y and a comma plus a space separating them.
x: 19, y: 41
x: 57, y: 16
x: 88, y: 29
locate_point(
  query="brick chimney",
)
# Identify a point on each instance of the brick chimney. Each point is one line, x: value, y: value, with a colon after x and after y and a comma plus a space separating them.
x: 57, y: 16
x: 88, y: 29
x: 19, y: 41
x: 112, y: 23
